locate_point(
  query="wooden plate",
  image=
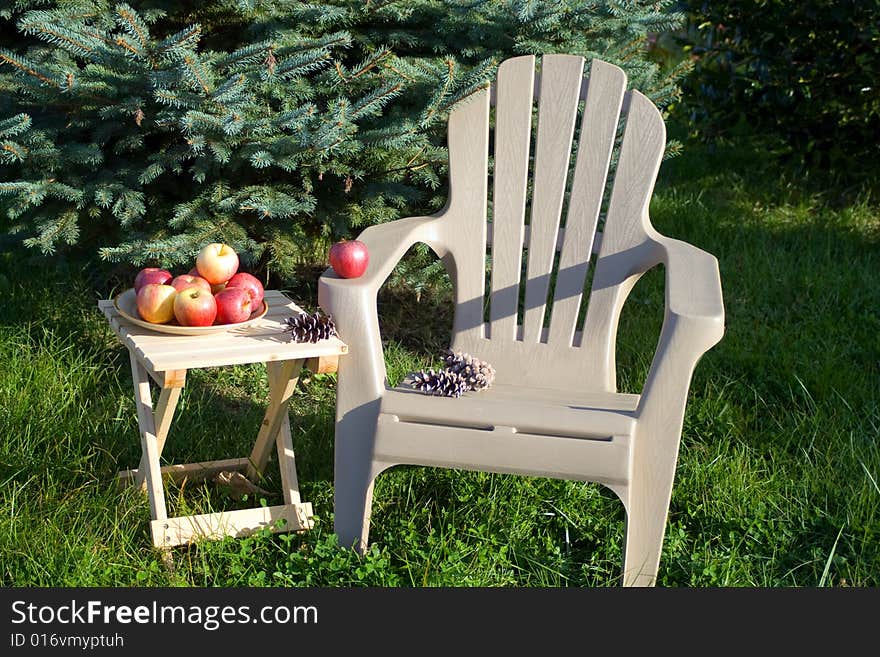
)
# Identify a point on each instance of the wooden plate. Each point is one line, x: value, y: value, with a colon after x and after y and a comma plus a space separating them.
x: 126, y: 305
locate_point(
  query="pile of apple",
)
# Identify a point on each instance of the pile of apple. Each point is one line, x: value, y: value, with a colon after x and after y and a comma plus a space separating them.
x: 213, y: 292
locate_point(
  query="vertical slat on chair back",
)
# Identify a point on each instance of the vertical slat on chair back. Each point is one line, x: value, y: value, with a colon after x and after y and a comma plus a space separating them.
x: 551, y: 356
x: 598, y: 129
x: 514, y: 93
x: 465, y: 227
x: 625, y: 235
x: 561, y: 78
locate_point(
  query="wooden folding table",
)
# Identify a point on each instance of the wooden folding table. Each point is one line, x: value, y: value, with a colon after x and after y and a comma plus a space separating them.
x: 166, y: 359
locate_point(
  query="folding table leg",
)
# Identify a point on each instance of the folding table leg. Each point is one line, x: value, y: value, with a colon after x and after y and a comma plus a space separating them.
x: 149, y: 441
x: 284, y: 441
x: 165, y: 408
x: 286, y: 374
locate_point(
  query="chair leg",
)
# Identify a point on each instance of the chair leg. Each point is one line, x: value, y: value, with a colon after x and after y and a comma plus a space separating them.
x: 354, y: 471
x: 353, y: 500
x: 646, y: 517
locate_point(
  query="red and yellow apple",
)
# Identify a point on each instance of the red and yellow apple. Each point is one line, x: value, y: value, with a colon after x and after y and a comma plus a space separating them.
x: 151, y: 275
x: 155, y: 303
x: 183, y: 281
x: 195, y: 306
x: 349, y: 258
x: 217, y: 263
x: 250, y: 284
x: 233, y: 306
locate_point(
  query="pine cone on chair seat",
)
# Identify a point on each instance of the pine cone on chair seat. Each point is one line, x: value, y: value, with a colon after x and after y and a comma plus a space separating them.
x: 310, y: 328
x: 478, y: 373
x: 444, y: 383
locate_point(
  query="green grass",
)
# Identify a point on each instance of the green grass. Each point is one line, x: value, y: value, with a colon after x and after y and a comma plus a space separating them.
x: 777, y: 483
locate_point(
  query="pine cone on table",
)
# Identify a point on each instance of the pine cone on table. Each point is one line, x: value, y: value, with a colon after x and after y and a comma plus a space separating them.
x: 310, y: 328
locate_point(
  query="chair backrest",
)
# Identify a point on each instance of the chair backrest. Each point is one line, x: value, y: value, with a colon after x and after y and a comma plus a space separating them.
x: 545, y: 257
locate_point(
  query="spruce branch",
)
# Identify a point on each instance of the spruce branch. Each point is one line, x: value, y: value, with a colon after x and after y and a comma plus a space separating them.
x: 129, y: 21
x: 12, y: 152
x: 195, y: 71
x: 371, y: 63
x: 15, y: 125
x: 301, y: 64
x: 185, y: 40
x: 24, y: 65
x: 447, y: 81
x: 63, y: 227
x: 35, y: 24
x: 372, y: 103
x: 230, y: 90
x: 246, y: 56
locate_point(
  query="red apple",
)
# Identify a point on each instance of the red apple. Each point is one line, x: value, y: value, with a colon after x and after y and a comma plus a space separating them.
x: 349, y: 258
x: 151, y: 275
x: 155, y: 303
x: 233, y: 306
x: 195, y: 306
x: 217, y: 263
x: 251, y: 284
x: 180, y: 283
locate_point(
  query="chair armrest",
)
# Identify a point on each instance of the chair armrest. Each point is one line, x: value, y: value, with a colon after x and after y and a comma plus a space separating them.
x: 693, y: 283
x: 693, y: 323
x: 352, y: 304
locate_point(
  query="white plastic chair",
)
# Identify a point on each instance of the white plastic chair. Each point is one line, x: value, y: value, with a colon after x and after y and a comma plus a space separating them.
x: 554, y: 410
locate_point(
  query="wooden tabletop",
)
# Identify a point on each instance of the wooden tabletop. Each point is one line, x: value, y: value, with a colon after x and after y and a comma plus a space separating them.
x: 261, y: 342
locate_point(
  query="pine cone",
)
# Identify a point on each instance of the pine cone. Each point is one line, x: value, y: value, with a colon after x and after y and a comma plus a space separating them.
x: 310, y: 328
x: 478, y: 373
x: 444, y: 383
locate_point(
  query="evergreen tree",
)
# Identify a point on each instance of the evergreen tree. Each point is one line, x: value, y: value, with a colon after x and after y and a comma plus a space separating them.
x: 148, y: 129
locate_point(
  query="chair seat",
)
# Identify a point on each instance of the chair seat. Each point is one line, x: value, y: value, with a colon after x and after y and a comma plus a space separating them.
x: 523, y: 409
